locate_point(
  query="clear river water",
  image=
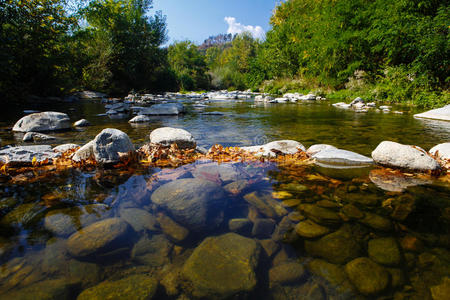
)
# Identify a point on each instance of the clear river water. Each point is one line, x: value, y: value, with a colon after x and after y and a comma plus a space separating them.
x: 255, y: 230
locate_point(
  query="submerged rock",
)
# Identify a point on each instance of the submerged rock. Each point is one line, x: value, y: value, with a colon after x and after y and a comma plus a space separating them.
x: 195, y: 203
x: 338, y: 247
x: 395, y: 182
x: 285, y: 273
x: 367, y: 276
x: 309, y: 229
x: 263, y: 228
x: 377, y: 222
x: 172, y: 229
x: 134, y: 287
x: 242, y: 226
x: 24, y: 155
x: 53, y: 289
x: 393, y: 154
x: 441, y: 291
x: 334, y: 274
x: 139, y: 219
x: 442, y: 113
x: 99, y: 237
x: 44, y: 121
x: 109, y: 143
x: 320, y: 215
x: 216, y: 173
x: 271, y: 149
x: 152, y: 251
x: 266, y: 205
x: 223, y: 266
x: 168, y: 135
x: 384, y: 251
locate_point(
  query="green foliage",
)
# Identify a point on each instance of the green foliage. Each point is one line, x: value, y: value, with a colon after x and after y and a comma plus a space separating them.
x: 189, y: 66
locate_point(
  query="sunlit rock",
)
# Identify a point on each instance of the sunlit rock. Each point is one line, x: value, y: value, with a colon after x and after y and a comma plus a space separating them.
x: 168, y: 135
x: 84, y: 153
x: 109, y: 143
x: 337, y: 157
x: 140, y: 119
x: 65, y: 147
x: 442, y: 151
x: 26, y: 155
x: 82, y: 123
x: 164, y: 109
x: 36, y: 136
x: 44, y: 121
x: 442, y: 113
x: 397, y: 155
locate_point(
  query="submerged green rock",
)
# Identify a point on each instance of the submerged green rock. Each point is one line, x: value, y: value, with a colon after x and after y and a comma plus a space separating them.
x: 320, y: 215
x: 338, y: 247
x: 223, y: 266
x: 367, y: 276
x: 384, y: 251
x: 54, y: 289
x: 134, y: 287
x: 309, y: 229
x: 289, y: 272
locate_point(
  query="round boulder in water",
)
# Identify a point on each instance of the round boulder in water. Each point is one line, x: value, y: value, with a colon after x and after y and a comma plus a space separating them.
x: 194, y: 203
x: 168, y: 135
x: 44, y: 121
x: 109, y: 143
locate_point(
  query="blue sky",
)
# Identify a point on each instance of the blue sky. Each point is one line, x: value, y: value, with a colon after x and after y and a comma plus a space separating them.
x: 196, y: 20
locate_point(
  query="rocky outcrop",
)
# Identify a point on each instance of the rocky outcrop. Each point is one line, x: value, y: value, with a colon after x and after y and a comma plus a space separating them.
x: 24, y: 155
x: 168, y: 135
x: 42, y: 122
x: 396, y: 155
x: 223, y: 266
x: 442, y: 113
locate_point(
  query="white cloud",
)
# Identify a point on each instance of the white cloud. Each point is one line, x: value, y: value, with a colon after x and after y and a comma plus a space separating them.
x: 236, y: 28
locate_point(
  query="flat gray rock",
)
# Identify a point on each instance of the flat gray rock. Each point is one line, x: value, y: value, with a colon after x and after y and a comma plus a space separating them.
x: 442, y: 113
x: 164, y: 109
x: 284, y: 146
x: 393, y: 154
x: 65, y: 147
x: 318, y: 147
x: 338, y: 157
x: 168, y: 135
x: 24, y: 155
x: 44, y: 121
x: 109, y: 143
x: 36, y: 136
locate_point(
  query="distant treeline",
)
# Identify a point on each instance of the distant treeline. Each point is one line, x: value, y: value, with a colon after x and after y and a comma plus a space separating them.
x: 396, y: 51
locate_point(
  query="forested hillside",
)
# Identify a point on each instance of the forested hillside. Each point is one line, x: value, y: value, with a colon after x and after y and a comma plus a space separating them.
x: 393, y: 51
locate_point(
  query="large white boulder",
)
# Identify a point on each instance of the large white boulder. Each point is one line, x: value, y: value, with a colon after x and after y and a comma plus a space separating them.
x: 442, y: 151
x: 397, y: 155
x: 109, y: 143
x: 168, y: 135
x: 284, y: 146
x: 442, y: 113
x: 44, y: 121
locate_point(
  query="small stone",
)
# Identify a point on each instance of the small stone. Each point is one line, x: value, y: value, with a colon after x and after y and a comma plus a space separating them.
x: 296, y: 216
x: 309, y: 229
x: 82, y: 123
x: 173, y: 230
x: 367, y: 276
x: 236, y: 187
x: 384, y: 251
x: 281, y: 195
x: 286, y: 273
x: 327, y: 204
x: 134, y: 287
x: 263, y: 228
x: 411, y: 243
